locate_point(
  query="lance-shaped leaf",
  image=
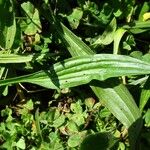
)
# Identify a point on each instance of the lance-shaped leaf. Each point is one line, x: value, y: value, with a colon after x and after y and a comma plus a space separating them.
x: 123, y: 109
x: 13, y: 58
x: 75, y: 46
x: 72, y: 42
x: 81, y: 70
x: 78, y: 48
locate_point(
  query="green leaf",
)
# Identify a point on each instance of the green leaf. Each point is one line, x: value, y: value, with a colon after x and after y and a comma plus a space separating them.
x: 103, y: 15
x: 13, y: 58
x: 59, y: 121
x: 75, y: 17
x: 72, y: 44
x: 32, y: 25
x: 79, y: 119
x: 29, y: 105
x: 99, y: 141
x: 3, y: 75
x: 74, y: 140
x: 137, y: 54
x: 147, y: 118
x: 117, y: 38
x: 108, y: 36
x: 7, y: 24
x: 123, y: 103
x: 37, y: 123
x: 81, y: 70
x: 129, y: 42
x: 78, y: 48
x: 55, y: 143
x: 89, y: 102
x: 145, y: 8
x: 145, y: 94
x: 72, y: 127
x: 138, y: 27
x: 146, y: 57
x: 21, y: 143
x: 104, y: 113
x: 76, y: 108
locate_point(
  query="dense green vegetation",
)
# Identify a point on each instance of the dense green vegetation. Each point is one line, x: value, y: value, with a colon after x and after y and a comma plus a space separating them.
x: 74, y: 74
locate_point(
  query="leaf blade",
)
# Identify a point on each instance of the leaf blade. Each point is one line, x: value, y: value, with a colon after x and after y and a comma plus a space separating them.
x: 145, y: 95
x: 117, y: 38
x: 108, y: 36
x: 13, y: 58
x: 81, y: 70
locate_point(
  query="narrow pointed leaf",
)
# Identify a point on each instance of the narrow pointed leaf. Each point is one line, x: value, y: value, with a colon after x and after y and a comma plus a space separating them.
x: 74, y: 44
x: 123, y: 109
x: 138, y: 24
x: 82, y: 51
x: 13, y: 58
x: 81, y: 70
x: 71, y: 41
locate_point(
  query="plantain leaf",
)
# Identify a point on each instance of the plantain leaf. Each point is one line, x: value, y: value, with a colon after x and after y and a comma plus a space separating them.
x: 13, y: 58
x: 81, y: 70
x: 123, y: 109
x: 74, y: 44
x: 78, y: 48
x: 7, y: 24
x: 71, y: 42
